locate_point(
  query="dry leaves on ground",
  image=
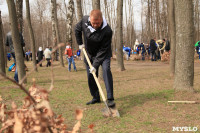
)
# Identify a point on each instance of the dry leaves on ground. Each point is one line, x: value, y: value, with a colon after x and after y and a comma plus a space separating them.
x: 31, y: 117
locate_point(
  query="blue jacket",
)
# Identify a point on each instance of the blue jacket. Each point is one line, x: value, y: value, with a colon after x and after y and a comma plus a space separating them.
x: 127, y: 49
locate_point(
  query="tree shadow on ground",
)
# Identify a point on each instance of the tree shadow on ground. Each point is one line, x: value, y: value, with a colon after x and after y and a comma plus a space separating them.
x: 128, y: 102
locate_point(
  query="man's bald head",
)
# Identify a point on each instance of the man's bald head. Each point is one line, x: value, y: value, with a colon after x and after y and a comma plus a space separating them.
x: 96, y: 18
x: 96, y: 14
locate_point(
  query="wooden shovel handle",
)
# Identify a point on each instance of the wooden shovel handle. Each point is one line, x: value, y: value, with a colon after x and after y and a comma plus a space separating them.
x: 94, y: 75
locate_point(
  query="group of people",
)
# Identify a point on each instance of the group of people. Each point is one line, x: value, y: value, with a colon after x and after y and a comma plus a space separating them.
x: 158, y: 47
x: 46, y: 54
x: 155, y: 49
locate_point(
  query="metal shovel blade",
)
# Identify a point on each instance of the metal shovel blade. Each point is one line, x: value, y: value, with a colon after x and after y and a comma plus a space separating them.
x: 107, y: 112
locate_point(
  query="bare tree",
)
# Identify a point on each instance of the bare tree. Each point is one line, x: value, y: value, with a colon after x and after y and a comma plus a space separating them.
x: 41, y: 7
x: 2, y: 58
x: 184, y: 67
x: 32, y: 38
x: 16, y: 40
x: 119, y: 34
x: 157, y: 20
x: 80, y: 16
x: 196, y: 20
x: 53, y: 6
x: 19, y: 9
x: 79, y: 9
x: 106, y: 11
x: 58, y: 33
x: 148, y: 24
x: 56, y: 30
x: 96, y: 4
x: 172, y: 30
x: 69, y: 17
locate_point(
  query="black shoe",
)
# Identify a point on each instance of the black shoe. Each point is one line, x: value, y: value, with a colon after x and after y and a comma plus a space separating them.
x: 93, y: 101
x: 111, y: 103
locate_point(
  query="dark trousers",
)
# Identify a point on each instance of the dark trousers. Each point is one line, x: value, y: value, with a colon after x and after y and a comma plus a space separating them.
x: 108, y: 80
x: 153, y: 56
x: 48, y: 62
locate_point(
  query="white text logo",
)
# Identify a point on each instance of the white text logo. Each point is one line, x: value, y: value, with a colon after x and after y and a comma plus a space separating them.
x: 190, y: 129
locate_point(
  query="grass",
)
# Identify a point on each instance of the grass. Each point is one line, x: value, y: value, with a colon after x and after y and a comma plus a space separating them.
x: 141, y: 94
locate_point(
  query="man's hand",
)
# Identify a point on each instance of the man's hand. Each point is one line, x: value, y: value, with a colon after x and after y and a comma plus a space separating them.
x: 92, y: 70
x: 81, y: 46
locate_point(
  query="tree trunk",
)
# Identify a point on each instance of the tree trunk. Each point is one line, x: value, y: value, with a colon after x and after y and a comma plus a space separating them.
x: 19, y: 10
x: 4, y: 46
x: 32, y: 38
x: 96, y: 4
x: 142, y: 34
x: 149, y: 36
x: 80, y: 16
x: 2, y: 58
x: 58, y: 34
x: 132, y: 34
x: 157, y: 20
x: 69, y: 17
x: 151, y: 20
x: 197, y: 20
x: 106, y: 11
x: 16, y: 40
x: 53, y: 28
x: 79, y: 9
x: 40, y: 13
x: 119, y: 34
x: 184, y: 67
x: 172, y: 30
x: 164, y: 18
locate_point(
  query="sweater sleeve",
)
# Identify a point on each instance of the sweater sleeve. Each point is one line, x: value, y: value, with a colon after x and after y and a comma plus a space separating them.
x: 104, y: 49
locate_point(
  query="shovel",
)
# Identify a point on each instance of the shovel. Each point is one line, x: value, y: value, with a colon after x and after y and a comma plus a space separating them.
x: 107, y: 111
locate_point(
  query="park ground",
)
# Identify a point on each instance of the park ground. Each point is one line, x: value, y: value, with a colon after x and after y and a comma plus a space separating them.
x: 141, y: 93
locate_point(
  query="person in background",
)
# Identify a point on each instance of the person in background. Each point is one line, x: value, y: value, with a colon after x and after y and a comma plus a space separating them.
x: 27, y: 55
x: 148, y: 50
x: 127, y: 52
x: 9, y: 43
x: 197, y: 47
x: 153, y: 48
x: 40, y: 55
x: 70, y: 58
x: 142, y: 48
x: 9, y: 56
x: 78, y: 53
x: 47, y: 55
x: 167, y: 47
x: 161, y: 46
x: 31, y: 55
x: 138, y: 49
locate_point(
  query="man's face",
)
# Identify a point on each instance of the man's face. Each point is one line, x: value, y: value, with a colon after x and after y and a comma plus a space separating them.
x: 96, y: 23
